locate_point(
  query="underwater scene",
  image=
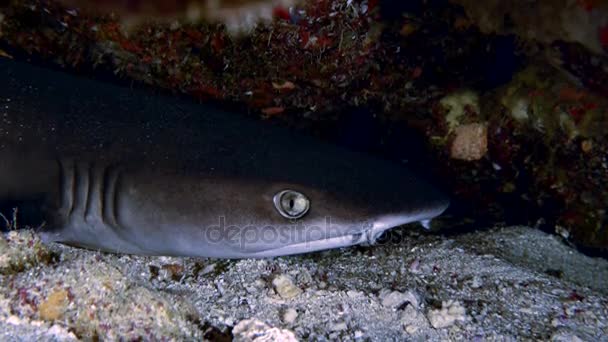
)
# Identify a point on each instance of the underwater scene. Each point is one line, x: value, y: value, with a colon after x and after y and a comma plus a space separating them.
x: 293, y: 170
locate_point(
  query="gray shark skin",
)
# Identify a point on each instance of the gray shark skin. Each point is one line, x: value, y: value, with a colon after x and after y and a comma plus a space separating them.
x: 127, y: 171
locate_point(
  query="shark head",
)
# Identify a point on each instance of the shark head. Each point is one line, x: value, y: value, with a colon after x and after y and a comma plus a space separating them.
x: 241, y: 217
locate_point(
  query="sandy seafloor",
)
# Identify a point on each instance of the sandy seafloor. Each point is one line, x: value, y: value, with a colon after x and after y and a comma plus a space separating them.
x: 513, y: 283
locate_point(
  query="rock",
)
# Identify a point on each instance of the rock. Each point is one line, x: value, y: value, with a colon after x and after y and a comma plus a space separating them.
x: 458, y: 104
x: 556, y: 322
x: 587, y: 145
x: 3, y: 244
x: 395, y: 299
x: 14, y: 320
x: 568, y: 21
x: 208, y: 269
x: 354, y: 294
x: 476, y: 282
x: 54, y: 306
x: 305, y: 278
x: 414, y: 266
x: 286, y: 85
x: 255, y: 330
x: 470, y: 142
x: 565, y: 337
x: 284, y: 286
x: 450, y: 312
x: 519, y: 107
x: 5, y: 260
x: 339, y: 326
x: 172, y: 272
x: 21, y: 250
x: 258, y: 284
x: 290, y: 315
x: 413, y: 320
x: 60, y: 333
x: 410, y: 328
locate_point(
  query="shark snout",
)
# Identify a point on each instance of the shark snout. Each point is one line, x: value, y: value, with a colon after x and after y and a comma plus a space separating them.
x: 422, y: 214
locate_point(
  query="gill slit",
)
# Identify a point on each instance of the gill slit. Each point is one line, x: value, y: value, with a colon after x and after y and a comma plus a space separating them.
x: 68, y: 168
x: 90, y: 190
x: 111, y: 177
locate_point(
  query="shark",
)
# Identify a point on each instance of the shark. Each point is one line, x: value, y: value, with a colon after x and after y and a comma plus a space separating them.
x: 126, y: 170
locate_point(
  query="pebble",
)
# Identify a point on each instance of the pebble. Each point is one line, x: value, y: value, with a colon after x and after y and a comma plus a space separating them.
x: 458, y: 104
x: 14, y: 320
x: 259, y: 283
x: 519, y: 108
x: 586, y: 146
x: 284, y: 286
x: 395, y: 299
x: 411, y: 329
x: 3, y: 244
x: 61, y: 334
x: 565, y: 337
x: 470, y: 142
x: 450, y: 312
x: 413, y: 320
x: 414, y: 267
x: 5, y: 260
x: 255, y: 330
x: 54, y: 306
x: 340, y: 326
x: 304, y: 277
x: 354, y: 294
x: 208, y: 269
x: 290, y: 315
x: 171, y: 272
x: 476, y: 282
x: 556, y: 322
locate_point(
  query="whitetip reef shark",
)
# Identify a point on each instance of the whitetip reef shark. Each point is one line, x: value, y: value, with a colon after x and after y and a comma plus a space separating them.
x: 127, y: 171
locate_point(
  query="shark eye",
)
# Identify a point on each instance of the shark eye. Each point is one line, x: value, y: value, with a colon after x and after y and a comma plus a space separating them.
x: 291, y: 204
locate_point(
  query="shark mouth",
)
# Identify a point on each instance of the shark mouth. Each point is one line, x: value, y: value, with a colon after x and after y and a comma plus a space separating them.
x: 365, y: 237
